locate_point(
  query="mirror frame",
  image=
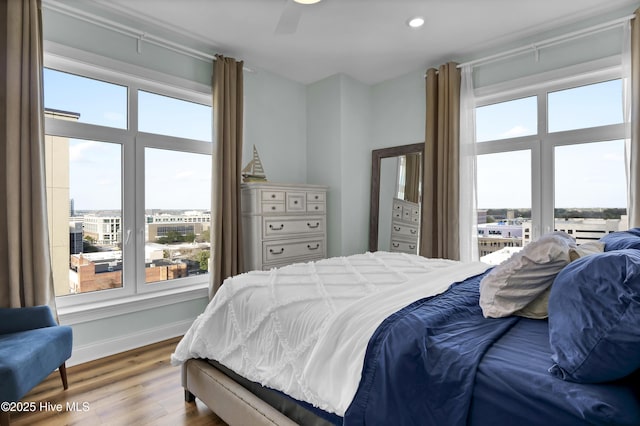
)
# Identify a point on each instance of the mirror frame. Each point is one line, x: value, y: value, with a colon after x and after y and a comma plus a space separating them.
x: 376, y: 158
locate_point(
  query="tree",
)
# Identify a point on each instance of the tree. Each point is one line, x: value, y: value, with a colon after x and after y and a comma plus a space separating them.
x: 204, y: 260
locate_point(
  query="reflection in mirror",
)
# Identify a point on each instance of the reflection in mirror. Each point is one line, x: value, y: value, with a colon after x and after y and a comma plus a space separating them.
x: 395, y: 198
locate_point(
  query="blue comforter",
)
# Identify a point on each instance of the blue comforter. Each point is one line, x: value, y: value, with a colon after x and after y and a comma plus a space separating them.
x: 421, y: 363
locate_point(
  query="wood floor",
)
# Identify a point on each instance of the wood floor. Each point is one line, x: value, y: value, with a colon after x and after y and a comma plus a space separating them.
x: 139, y: 387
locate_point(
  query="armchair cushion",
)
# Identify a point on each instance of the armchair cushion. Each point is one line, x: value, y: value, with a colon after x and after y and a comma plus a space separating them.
x: 21, y: 319
x: 28, y: 356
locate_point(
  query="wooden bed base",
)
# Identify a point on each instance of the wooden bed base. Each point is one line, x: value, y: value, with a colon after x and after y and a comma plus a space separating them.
x: 229, y: 400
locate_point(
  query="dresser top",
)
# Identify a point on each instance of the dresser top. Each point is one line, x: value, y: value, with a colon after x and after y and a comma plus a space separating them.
x: 273, y: 185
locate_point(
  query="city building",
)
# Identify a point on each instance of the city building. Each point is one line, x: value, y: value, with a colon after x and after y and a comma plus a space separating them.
x: 189, y: 223
x: 75, y: 236
x: 103, y: 229
x: 58, y: 205
x: 95, y: 271
x: 583, y: 230
x: 498, y: 235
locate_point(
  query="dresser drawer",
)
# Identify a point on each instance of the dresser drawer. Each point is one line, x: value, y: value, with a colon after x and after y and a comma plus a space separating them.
x: 277, y: 251
x: 273, y: 207
x: 316, y: 207
x: 404, y: 247
x: 273, y: 195
x: 288, y: 226
x: 411, y: 214
x: 296, y: 202
x: 315, y: 197
x: 404, y: 230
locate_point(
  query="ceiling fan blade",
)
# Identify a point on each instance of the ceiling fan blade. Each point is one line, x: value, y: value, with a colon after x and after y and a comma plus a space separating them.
x: 289, y: 19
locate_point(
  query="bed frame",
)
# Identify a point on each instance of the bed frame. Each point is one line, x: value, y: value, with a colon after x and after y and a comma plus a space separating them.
x: 229, y: 400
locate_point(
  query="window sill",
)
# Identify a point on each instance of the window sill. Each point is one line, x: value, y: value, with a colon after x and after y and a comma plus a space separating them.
x: 99, y: 310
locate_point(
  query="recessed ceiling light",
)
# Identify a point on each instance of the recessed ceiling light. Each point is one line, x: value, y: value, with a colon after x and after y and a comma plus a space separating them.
x: 416, y: 22
x: 307, y: 1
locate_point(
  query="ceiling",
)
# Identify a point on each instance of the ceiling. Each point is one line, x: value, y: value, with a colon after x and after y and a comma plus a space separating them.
x: 365, y: 39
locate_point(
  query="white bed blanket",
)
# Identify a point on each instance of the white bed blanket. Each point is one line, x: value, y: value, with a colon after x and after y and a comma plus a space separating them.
x: 303, y: 329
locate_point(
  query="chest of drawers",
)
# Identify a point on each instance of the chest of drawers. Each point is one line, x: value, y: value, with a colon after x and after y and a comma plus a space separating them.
x: 405, y: 222
x: 283, y: 224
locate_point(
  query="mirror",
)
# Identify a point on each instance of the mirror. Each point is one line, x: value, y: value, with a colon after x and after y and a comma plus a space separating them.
x: 394, y: 216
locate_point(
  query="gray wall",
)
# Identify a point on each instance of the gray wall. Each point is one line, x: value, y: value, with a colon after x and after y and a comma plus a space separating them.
x: 275, y: 121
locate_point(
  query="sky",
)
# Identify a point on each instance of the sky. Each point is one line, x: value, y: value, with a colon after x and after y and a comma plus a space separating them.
x: 590, y: 175
x: 586, y: 175
x: 174, y: 180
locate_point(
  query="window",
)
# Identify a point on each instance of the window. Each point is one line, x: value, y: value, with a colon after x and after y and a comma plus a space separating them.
x: 592, y: 105
x: 128, y: 170
x: 517, y: 118
x: 173, y: 181
x: 551, y: 157
x: 111, y: 111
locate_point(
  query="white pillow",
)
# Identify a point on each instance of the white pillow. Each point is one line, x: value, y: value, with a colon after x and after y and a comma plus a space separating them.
x: 585, y: 249
x: 526, y: 277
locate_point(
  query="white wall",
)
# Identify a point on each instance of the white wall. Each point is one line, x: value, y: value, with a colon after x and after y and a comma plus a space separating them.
x: 275, y: 120
x: 355, y: 158
x: 324, y: 142
x: 339, y: 155
x: 398, y: 111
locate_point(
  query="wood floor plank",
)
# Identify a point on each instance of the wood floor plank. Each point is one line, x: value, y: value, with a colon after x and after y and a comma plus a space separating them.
x: 138, y: 387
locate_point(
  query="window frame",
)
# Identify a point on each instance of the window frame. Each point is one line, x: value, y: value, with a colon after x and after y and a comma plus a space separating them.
x: 542, y: 145
x: 135, y: 293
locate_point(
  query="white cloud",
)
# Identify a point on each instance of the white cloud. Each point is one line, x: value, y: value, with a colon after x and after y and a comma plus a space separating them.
x: 515, y: 132
x: 184, y: 174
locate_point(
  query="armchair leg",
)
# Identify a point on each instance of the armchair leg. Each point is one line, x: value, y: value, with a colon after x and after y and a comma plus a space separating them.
x: 63, y: 375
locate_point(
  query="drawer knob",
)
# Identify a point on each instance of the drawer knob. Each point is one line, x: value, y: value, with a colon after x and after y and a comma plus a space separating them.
x: 317, y: 207
x: 396, y: 245
x: 412, y: 246
x: 273, y: 195
x: 397, y: 228
x: 276, y: 229
x: 273, y: 207
x: 313, y: 226
x: 295, y: 201
x: 316, y: 197
x: 414, y: 231
x: 313, y: 248
x: 276, y: 252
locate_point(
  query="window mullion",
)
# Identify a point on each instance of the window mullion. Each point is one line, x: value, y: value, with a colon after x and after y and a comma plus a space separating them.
x: 129, y: 237
x: 545, y: 169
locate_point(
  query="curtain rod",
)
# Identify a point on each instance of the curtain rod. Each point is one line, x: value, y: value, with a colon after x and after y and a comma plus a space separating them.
x: 117, y: 27
x: 548, y: 42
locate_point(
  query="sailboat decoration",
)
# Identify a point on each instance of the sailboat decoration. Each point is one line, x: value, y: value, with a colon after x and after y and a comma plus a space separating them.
x: 253, y: 172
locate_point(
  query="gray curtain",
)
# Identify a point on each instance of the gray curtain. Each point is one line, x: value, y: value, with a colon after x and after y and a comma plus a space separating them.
x: 26, y: 278
x: 226, y: 234
x: 439, y: 232
x: 412, y: 177
x: 633, y: 151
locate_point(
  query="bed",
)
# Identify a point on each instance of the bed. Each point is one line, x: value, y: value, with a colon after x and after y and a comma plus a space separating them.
x: 392, y: 338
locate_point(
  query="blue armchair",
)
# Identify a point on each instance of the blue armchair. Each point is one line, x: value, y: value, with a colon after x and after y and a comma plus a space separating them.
x: 32, y: 345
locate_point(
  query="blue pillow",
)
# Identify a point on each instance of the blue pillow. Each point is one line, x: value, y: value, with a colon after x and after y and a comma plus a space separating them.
x: 594, y: 318
x: 622, y: 240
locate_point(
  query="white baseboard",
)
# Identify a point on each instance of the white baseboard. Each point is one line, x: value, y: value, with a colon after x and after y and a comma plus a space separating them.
x: 103, y: 348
